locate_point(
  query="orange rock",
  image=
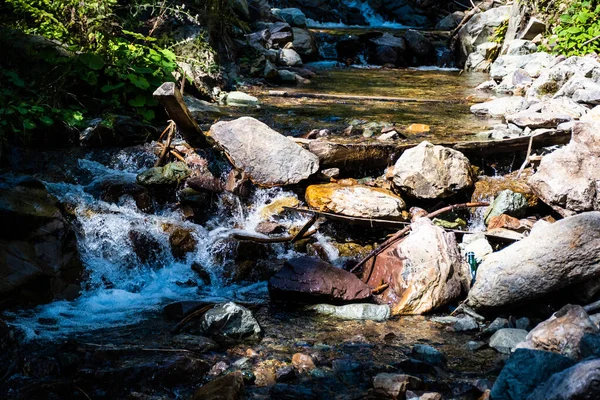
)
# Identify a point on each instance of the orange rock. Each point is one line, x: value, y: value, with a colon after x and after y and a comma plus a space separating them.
x: 504, y: 221
x: 418, y: 128
x: 303, y: 362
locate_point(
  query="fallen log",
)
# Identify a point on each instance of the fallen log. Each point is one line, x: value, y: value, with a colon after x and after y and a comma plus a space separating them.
x: 169, y: 96
x: 368, y: 155
x: 330, y: 96
x: 283, y: 239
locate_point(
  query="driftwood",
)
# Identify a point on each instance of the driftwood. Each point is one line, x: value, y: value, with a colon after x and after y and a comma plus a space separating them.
x: 400, y: 234
x: 328, y: 96
x: 354, y: 156
x: 167, y: 145
x: 170, y: 97
x: 284, y: 239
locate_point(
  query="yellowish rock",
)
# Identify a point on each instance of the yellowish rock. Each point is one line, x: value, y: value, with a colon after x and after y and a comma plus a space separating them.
x: 276, y: 207
x: 418, y: 128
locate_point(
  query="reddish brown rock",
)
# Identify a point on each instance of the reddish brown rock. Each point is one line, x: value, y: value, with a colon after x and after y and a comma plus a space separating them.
x: 504, y: 221
x: 303, y: 362
x: 310, y: 280
x: 424, y: 270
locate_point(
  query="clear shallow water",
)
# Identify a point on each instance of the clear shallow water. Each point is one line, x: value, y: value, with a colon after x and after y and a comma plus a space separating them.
x: 120, y: 289
x: 373, y: 19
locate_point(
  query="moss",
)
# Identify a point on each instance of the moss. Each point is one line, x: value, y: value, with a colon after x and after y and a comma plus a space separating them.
x: 548, y: 88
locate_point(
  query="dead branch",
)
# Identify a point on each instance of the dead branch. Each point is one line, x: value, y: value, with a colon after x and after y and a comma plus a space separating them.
x: 167, y: 145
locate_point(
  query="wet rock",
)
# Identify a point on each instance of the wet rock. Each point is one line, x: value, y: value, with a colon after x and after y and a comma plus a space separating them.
x: 303, y: 362
x: 230, y: 322
x: 424, y: 271
x: 578, y: 382
x: 420, y: 47
x: 269, y: 228
x: 276, y: 206
x: 285, y: 374
x: 266, y: 156
x: 169, y: 175
x: 466, y: 323
x: 355, y: 201
x: 506, y: 339
x: 395, y: 385
x: 474, y: 346
x: 551, y: 257
x: 567, y: 178
x: 39, y: 259
x: 429, y: 172
x: 146, y: 247
x: 499, y: 107
x: 293, y: 16
x: 241, y: 99
x: 310, y: 280
x: 496, y: 325
x: 228, y: 387
x: 182, y: 242
x: 205, y: 182
x: 450, y: 21
x: 195, y: 343
x: 284, y: 391
x: 428, y: 354
x: 112, y: 189
x: 525, y: 370
x: 371, y: 312
x: 562, y: 332
x: 507, y: 202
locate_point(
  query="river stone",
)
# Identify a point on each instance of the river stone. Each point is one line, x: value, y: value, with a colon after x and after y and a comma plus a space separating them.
x: 430, y: 172
x: 506, y: 202
x: 289, y: 58
x: 355, y: 201
x: 371, y: 312
x: 578, y: 382
x: 496, y: 325
x: 535, y: 120
x: 533, y: 64
x: 390, y: 40
x: 421, y: 48
x: 551, y: 257
x: 266, y: 156
x: 200, y: 108
x: 424, y: 270
x: 499, y: 107
x: 428, y: 354
x: 481, y: 27
x: 567, y: 179
x: 293, y: 16
x: 311, y: 280
x: 525, y: 370
x: 39, y: 258
x: 228, y: 387
x: 580, y: 88
x: 506, y: 339
x: 466, y: 323
x: 395, y: 385
x: 304, y: 43
x: 230, y: 322
x: 450, y: 21
x: 562, y: 332
x: 169, y: 175
x: 240, y: 99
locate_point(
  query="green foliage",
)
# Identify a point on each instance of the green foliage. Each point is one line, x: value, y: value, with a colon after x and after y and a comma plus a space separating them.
x: 498, y: 38
x: 578, y: 32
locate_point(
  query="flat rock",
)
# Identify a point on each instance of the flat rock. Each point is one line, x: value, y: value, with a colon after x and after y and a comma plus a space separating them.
x: 266, y: 156
x: 535, y: 120
x: 359, y: 312
x: 543, y: 262
x: 428, y: 354
x: 355, y: 201
x: 395, y: 385
x: 506, y: 339
x: 230, y: 322
x: 241, y: 99
x: 499, y: 107
x: 429, y: 172
x: 310, y: 280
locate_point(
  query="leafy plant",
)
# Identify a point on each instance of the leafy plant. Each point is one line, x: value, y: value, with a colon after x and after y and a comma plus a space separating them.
x: 578, y: 32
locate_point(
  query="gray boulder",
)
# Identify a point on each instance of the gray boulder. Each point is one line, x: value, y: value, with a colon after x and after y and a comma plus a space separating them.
x: 266, y: 156
x: 466, y: 323
x: 499, y: 107
x: 421, y: 48
x: 533, y: 64
x: 450, y: 21
x: 428, y: 354
x: 519, y: 47
x: 567, y: 179
x: 578, y: 382
x: 289, y: 58
x: 241, y: 99
x: 429, y: 172
x: 293, y: 16
x: 496, y: 325
x: 506, y: 339
x: 230, y: 322
x: 536, y: 120
x: 525, y: 370
x: 507, y: 202
x: 552, y: 257
x: 304, y: 43
x: 481, y: 27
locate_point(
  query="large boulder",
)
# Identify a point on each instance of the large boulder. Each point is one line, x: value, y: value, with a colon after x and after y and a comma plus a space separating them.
x: 421, y: 48
x: 506, y: 202
x: 304, y: 43
x: 552, y: 257
x: 533, y: 64
x: 424, y: 270
x: 578, y: 382
x: 267, y: 157
x: 39, y: 260
x: 525, y: 370
x: 293, y: 16
x: 499, y: 107
x: 567, y: 179
x: 355, y: 201
x: 480, y: 28
x: 562, y: 332
x: 310, y: 280
x: 430, y: 172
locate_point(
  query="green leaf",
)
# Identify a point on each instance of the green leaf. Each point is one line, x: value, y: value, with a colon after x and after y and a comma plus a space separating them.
x: 138, y: 81
x: 92, y: 61
x: 46, y: 120
x: 29, y: 124
x: 148, y: 115
x: 109, y: 88
x: 138, y: 101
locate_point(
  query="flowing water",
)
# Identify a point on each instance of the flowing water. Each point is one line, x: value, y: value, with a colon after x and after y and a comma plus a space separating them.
x: 374, y: 20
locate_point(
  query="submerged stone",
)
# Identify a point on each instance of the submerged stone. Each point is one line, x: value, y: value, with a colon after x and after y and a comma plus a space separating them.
x: 372, y: 312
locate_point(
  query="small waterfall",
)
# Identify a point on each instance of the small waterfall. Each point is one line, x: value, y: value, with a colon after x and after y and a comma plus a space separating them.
x: 373, y: 19
x: 120, y: 288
